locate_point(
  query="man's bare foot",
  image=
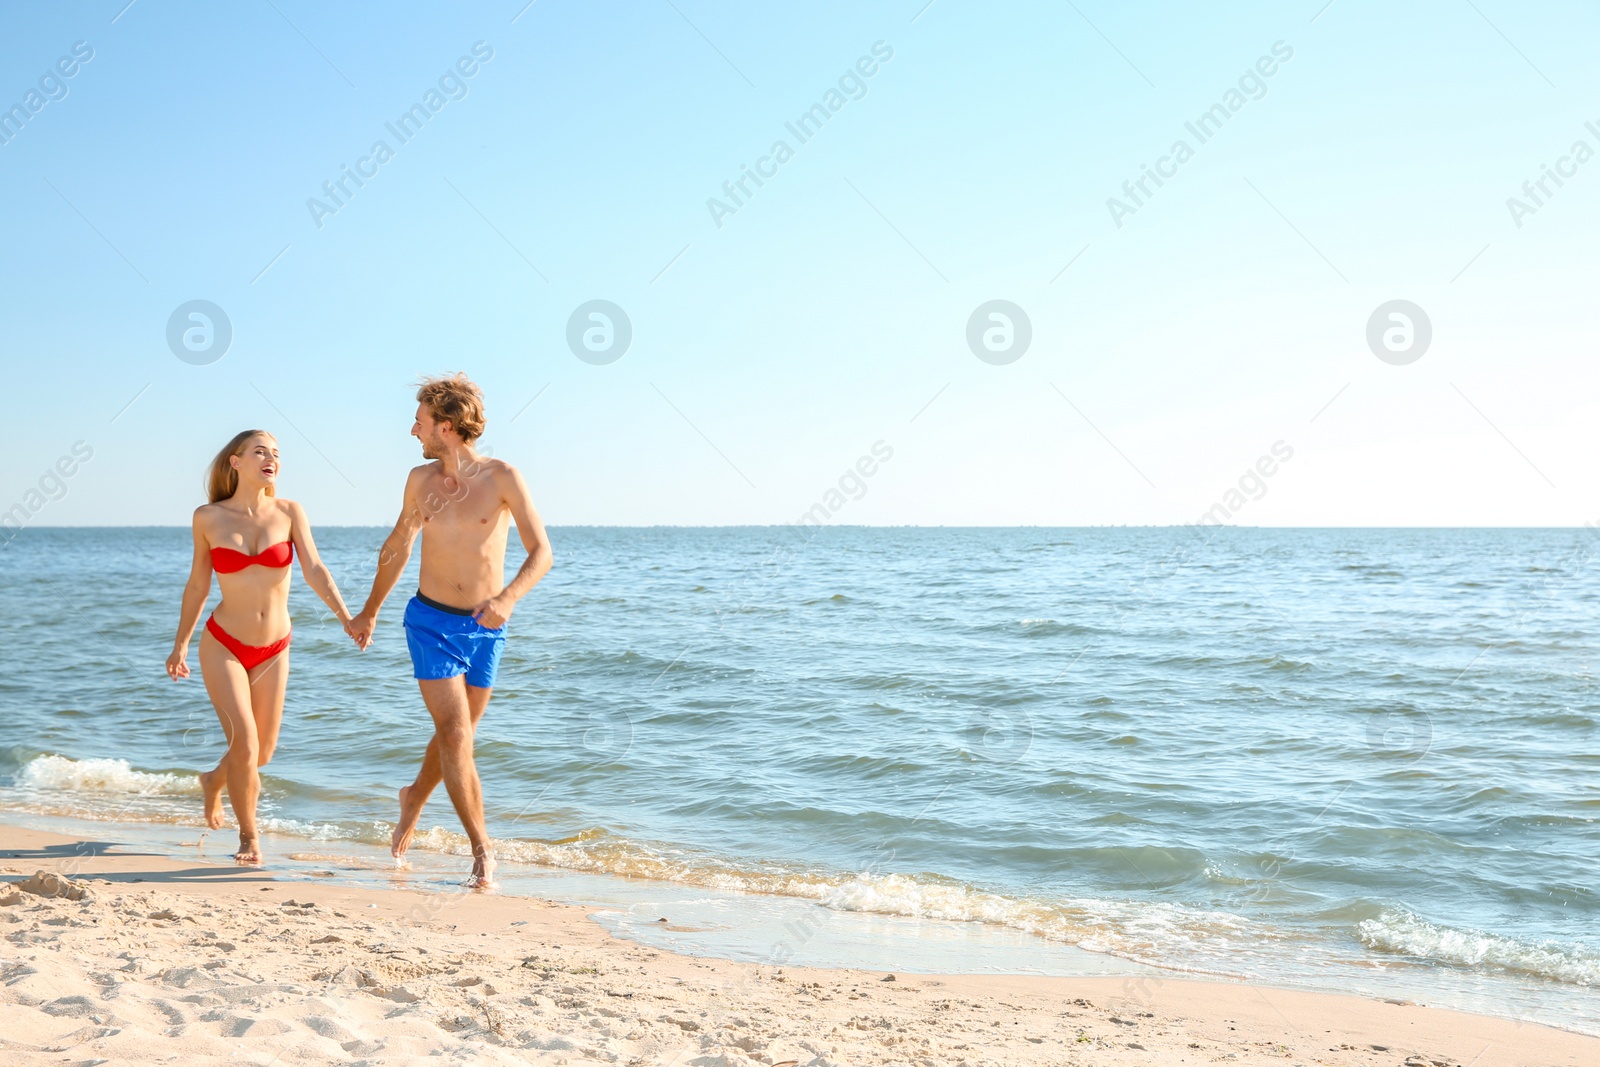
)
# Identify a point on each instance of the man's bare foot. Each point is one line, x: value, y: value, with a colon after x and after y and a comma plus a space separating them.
x: 482, y: 876
x: 410, y: 815
x: 211, y: 785
x: 249, y: 851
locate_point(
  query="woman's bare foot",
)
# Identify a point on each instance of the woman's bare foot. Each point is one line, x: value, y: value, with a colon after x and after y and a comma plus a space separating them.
x: 211, y: 785
x: 482, y: 876
x: 249, y: 851
x: 410, y: 815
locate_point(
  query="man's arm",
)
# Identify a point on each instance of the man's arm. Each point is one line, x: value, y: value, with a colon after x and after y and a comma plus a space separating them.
x: 392, y: 560
x: 494, y: 612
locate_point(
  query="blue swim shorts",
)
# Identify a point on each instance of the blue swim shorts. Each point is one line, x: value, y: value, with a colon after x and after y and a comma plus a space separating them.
x: 446, y: 641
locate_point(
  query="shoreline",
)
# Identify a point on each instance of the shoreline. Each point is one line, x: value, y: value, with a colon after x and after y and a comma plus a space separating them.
x: 166, y: 958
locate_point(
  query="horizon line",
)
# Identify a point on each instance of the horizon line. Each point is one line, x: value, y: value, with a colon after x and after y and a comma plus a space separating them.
x: 865, y: 526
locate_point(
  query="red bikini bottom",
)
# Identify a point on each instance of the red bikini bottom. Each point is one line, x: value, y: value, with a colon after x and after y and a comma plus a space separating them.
x: 249, y: 656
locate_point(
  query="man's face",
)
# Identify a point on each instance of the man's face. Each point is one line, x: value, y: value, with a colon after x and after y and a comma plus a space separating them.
x: 429, y: 432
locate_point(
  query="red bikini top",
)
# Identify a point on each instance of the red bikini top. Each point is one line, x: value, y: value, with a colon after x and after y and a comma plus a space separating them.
x: 228, y: 560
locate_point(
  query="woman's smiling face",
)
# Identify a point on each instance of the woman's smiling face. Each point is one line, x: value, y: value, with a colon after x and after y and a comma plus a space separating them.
x: 258, y: 460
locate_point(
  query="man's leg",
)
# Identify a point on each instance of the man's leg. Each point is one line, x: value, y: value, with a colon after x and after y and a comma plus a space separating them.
x: 453, y: 729
x: 415, y: 795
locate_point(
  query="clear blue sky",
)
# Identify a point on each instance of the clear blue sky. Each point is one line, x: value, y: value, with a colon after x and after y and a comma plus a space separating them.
x: 769, y: 353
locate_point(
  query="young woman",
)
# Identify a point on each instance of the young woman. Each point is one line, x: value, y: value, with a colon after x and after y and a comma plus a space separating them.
x: 248, y: 537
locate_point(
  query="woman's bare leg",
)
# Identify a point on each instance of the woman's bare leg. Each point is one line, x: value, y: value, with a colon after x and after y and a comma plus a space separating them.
x: 267, y: 685
x: 228, y: 685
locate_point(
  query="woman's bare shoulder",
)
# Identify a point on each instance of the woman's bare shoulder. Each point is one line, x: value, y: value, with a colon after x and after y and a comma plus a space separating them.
x: 208, y: 522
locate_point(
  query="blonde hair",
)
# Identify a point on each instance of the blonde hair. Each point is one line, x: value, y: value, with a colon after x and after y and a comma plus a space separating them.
x: 454, y: 399
x: 222, y: 480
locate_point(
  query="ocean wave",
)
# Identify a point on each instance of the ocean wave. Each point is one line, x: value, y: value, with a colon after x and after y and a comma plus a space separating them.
x: 324, y: 831
x: 1035, y: 627
x: 1407, y: 934
x: 1155, y: 933
x: 58, y: 774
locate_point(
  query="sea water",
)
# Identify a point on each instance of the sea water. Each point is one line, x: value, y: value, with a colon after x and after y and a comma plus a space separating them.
x: 1361, y: 760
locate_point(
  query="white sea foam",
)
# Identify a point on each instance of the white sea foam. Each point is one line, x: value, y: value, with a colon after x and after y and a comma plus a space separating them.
x: 1150, y: 932
x: 1411, y: 935
x: 58, y: 774
x: 316, y: 831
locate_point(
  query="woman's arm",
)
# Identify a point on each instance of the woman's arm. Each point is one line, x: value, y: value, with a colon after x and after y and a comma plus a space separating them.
x: 195, y: 591
x: 316, y: 574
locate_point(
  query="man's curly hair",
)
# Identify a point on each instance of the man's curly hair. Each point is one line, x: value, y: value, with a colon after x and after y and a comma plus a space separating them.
x: 454, y: 399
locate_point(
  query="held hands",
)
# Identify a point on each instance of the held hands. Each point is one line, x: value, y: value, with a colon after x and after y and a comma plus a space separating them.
x: 360, y: 628
x: 493, y: 613
x: 178, y: 664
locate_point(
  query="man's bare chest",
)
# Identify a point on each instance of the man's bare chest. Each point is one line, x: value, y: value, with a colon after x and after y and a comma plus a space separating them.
x: 457, y: 503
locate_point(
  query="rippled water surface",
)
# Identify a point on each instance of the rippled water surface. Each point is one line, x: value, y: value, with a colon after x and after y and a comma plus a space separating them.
x: 1352, y: 759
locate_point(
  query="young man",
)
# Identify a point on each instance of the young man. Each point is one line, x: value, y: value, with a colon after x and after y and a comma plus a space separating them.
x: 463, y: 504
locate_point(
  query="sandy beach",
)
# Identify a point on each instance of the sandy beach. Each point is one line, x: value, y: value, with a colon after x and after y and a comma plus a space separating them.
x: 116, y: 956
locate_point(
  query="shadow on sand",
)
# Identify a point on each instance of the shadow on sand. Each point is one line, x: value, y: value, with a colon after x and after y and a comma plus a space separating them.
x: 89, y: 859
